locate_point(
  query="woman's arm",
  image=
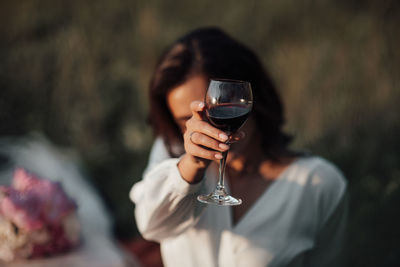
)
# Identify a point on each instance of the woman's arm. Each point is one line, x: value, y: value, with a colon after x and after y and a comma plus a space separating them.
x: 165, y: 199
x: 166, y: 204
x: 330, y: 247
x: 330, y: 240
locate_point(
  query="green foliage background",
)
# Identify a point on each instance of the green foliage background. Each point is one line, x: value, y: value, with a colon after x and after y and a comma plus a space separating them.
x: 78, y: 71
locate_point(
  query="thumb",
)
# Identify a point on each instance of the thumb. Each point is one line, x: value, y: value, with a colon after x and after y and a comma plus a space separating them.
x: 197, y: 108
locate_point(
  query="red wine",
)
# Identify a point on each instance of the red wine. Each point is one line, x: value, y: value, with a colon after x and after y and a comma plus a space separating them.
x: 228, y: 117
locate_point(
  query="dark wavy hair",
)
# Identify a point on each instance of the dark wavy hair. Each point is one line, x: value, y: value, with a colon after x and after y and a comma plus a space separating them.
x: 214, y: 54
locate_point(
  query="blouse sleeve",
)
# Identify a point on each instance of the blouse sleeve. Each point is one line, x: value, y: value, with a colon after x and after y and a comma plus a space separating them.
x: 165, y: 204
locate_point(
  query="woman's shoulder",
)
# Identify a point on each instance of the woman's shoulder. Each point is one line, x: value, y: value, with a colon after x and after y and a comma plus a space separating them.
x: 158, y: 153
x: 318, y: 173
x: 317, y: 163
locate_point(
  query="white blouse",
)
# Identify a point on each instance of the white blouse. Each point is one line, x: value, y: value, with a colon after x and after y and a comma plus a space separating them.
x: 299, y: 220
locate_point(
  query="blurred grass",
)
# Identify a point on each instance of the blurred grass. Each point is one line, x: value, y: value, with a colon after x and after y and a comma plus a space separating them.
x: 78, y: 72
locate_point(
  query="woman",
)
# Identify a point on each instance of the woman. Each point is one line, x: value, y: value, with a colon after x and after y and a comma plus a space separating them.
x: 294, y: 206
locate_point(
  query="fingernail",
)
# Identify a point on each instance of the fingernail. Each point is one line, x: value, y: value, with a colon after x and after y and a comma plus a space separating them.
x: 223, y: 136
x: 218, y: 156
x: 201, y: 105
x: 223, y: 146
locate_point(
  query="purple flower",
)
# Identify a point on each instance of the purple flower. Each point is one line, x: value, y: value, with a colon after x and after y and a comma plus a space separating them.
x: 22, y: 208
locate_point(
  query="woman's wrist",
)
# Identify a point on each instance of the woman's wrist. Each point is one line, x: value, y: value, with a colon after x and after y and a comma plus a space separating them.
x: 192, y: 168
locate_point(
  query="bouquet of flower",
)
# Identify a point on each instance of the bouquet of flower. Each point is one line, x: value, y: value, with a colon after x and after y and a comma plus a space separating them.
x: 37, y: 218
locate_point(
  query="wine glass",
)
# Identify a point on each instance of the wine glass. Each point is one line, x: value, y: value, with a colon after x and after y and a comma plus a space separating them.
x: 227, y: 106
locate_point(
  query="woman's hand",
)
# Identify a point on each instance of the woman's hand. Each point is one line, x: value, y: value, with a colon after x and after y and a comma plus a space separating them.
x: 201, y: 139
x: 203, y: 143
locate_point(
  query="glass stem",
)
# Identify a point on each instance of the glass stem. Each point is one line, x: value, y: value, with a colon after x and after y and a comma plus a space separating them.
x: 222, y: 163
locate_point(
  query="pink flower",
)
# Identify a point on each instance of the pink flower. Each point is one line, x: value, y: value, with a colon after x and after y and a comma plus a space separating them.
x: 32, y: 202
x: 24, y: 181
x: 40, y: 210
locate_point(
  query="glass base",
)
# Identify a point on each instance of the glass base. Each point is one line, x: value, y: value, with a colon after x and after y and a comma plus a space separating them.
x: 220, y: 198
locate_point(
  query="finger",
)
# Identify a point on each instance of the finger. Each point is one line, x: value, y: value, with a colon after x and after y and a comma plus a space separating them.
x: 197, y: 108
x: 207, y: 142
x: 207, y: 129
x: 200, y: 152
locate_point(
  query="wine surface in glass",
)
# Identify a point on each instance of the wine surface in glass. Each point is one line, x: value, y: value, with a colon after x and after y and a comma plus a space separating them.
x: 228, y: 117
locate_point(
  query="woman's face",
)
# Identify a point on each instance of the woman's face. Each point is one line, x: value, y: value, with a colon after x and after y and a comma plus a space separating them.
x: 193, y: 89
x: 179, y: 98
